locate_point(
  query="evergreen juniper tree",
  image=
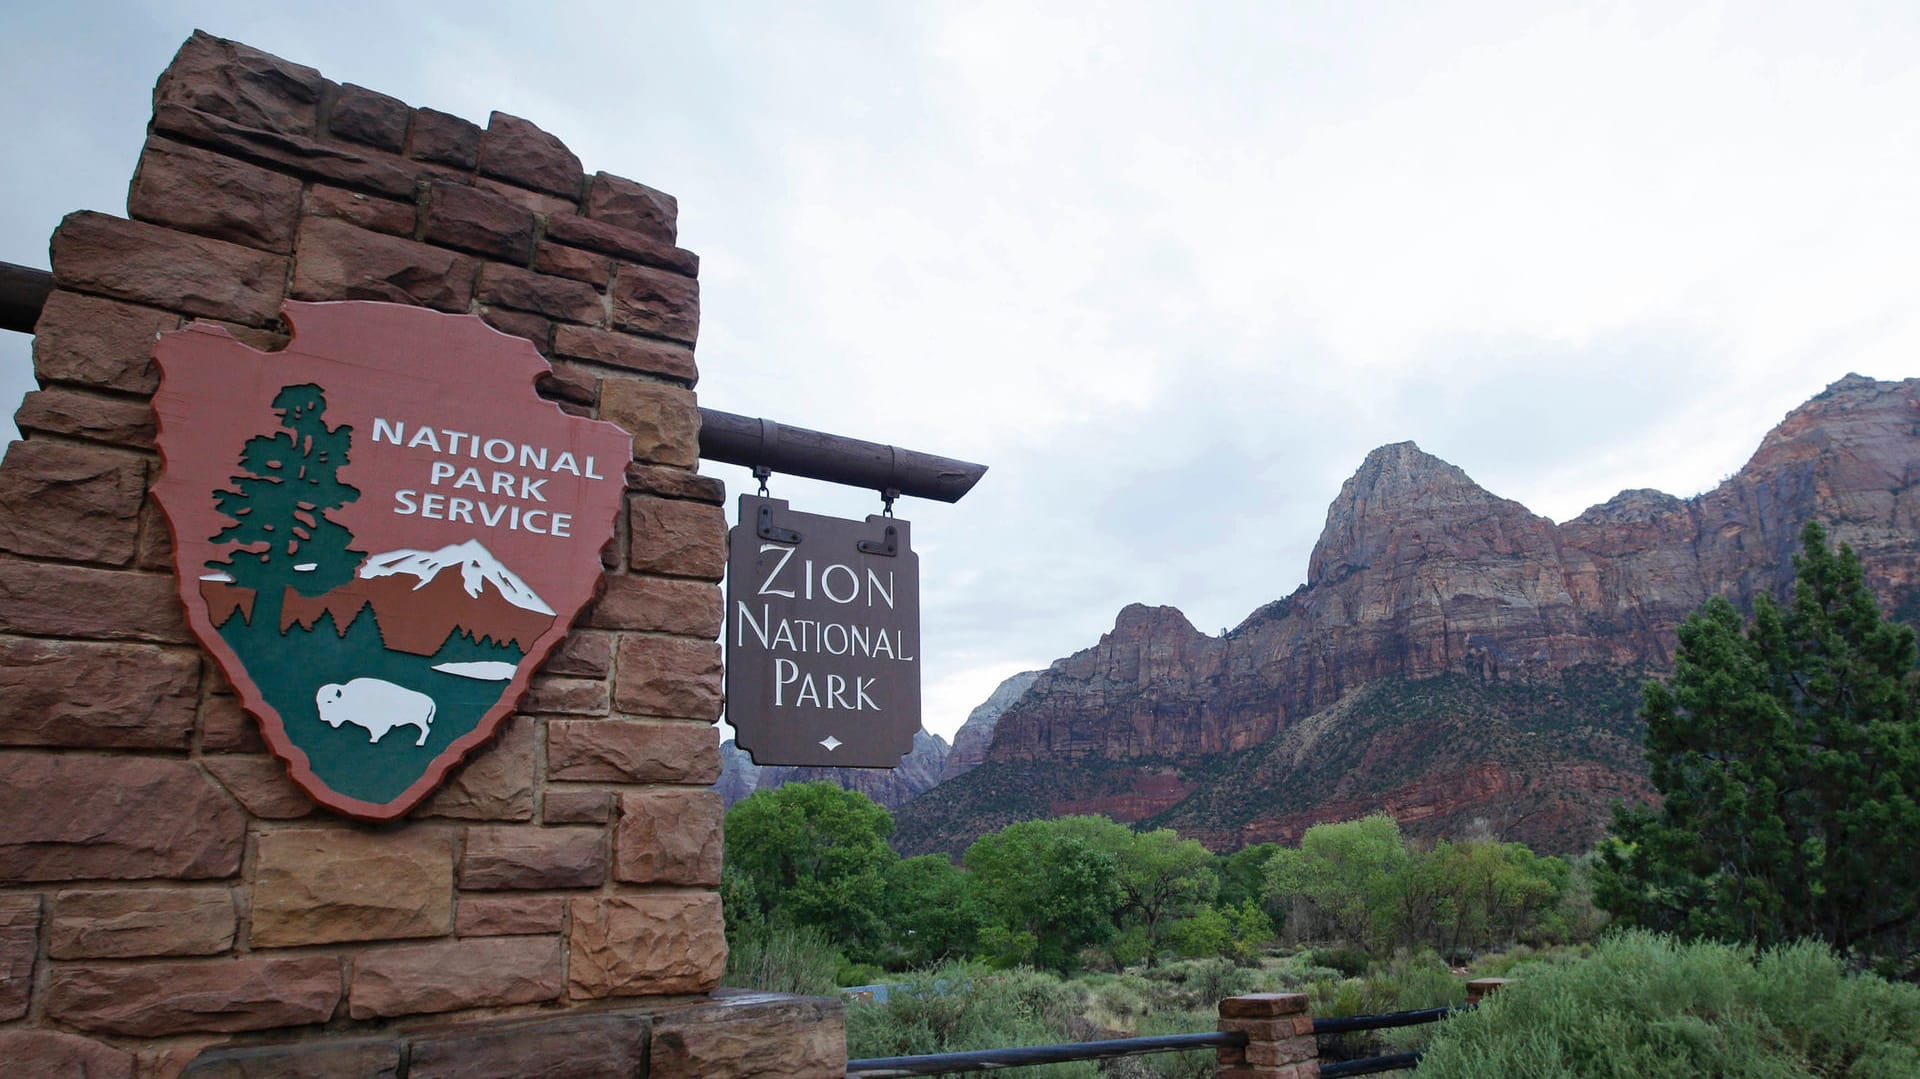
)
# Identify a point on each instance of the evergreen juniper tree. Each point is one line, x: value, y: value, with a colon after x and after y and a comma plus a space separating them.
x: 279, y: 507
x: 1787, y: 757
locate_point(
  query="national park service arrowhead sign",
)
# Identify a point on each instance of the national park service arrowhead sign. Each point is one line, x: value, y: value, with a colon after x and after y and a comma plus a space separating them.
x: 380, y: 532
x: 823, y: 637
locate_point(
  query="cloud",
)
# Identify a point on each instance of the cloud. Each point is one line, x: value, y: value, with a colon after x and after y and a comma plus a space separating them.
x: 1171, y: 273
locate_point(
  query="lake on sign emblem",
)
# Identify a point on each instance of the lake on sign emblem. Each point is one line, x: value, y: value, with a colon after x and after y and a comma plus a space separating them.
x: 380, y: 532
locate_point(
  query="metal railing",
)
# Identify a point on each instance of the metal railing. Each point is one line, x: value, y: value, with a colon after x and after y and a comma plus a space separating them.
x: 981, y: 1060
x: 996, y: 1059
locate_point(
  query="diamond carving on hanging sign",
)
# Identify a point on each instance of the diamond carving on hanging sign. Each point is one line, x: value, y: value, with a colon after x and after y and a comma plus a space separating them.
x: 379, y: 532
x: 823, y: 637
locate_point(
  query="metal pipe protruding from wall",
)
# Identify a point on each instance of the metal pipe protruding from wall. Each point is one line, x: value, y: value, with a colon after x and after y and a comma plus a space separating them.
x: 796, y: 451
x: 724, y: 437
x: 23, y: 292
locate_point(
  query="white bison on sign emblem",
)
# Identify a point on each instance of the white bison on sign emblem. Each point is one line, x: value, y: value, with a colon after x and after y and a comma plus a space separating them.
x: 377, y: 705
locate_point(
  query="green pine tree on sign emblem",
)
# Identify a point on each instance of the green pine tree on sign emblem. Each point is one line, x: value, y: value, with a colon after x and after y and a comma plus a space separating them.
x: 279, y: 507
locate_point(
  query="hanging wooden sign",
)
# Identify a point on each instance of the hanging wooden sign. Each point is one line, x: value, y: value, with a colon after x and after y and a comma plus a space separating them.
x: 823, y: 637
x: 379, y: 532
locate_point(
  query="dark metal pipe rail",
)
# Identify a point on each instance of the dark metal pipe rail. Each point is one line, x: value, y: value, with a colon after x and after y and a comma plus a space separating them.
x: 995, y: 1059
x: 724, y: 437
x: 1348, y: 1023
x: 1369, y: 1066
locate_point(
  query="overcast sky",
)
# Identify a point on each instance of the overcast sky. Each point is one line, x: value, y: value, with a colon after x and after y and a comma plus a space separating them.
x: 1171, y: 270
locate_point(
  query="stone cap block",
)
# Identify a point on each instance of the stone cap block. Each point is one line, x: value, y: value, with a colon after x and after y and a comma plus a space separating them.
x: 1263, y: 1005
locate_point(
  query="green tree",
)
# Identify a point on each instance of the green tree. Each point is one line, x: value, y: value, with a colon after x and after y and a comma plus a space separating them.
x: 278, y: 508
x: 1046, y: 893
x: 1346, y: 879
x: 1162, y: 877
x: 930, y: 911
x: 815, y: 855
x: 1487, y: 893
x: 1787, y: 756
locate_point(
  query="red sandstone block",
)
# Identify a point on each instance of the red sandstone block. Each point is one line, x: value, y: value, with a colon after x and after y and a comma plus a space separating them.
x: 73, y: 503
x: 190, y: 189
x: 96, y: 696
x: 582, y: 654
x: 484, y: 972
x: 339, y: 262
x: 98, y: 342
x: 532, y: 327
x: 495, y: 783
x: 569, y: 383
x: 325, y: 883
x: 739, y: 1033
x: 663, y: 419
x: 242, y: 84
x: 478, y: 221
x: 535, y: 202
x: 367, y: 170
x: 129, y: 260
x: 86, y: 603
x: 627, y: 352
x: 566, y: 696
x: 359, y: 1058
x: 261, y: 784
x: 444, y: 139
x: 113, y: 818
x: 669, y: 837
x: 635, y: 207
x: 684, y: 608
x: 623, y: 751
x: 224, y: 726
x: 668, y: 676
x: 361, y: 210
x: 576, y: 805
x: 645, y: 945
x: 582, y: 1045
x: 1269, y: 1030
x: 369, y: 118
x: 507, y: 858
x: 656, y: 302
x: 113, y: 420
x: 633, y: 247
x: 518, y: 152
x: 685, y: 539
x: 19, y: 951
x: 552, y: 258
x: 509, y: 915
x: 670, y: 482
x: 151, y: 1000
x: 154, y: 551
x: 555, y: 297
x: 1278, y: 1054
x: 127, y: 923
x: 30, y: 1052
x: 1263, y: 1005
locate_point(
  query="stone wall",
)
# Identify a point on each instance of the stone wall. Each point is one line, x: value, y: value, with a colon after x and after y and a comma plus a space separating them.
x: 163, y: 886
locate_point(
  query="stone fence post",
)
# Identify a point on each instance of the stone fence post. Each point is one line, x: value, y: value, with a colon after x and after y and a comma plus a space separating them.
x: 1480, y: 989
x: 1280, y: 1043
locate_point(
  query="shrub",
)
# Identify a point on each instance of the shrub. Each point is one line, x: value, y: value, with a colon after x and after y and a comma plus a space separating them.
x: 964, y: 1006
x: 784, y: 959
x: 1646, y: 1006
x: 1351, y: 962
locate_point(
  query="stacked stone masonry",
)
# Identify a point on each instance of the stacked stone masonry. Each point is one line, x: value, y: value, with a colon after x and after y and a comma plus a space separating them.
x: 164, y: 887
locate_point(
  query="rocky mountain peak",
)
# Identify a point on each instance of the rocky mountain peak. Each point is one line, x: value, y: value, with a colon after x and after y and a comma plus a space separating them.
x: 971, y: 740
x: 1451, y: 656
x: 1400, y: 493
